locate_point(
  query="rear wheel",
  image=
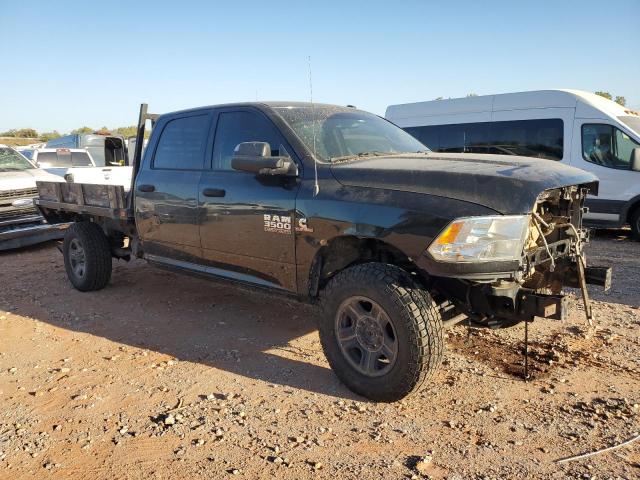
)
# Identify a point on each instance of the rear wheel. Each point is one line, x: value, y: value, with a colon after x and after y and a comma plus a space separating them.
x: 87, y: 256
x: 381, y: 332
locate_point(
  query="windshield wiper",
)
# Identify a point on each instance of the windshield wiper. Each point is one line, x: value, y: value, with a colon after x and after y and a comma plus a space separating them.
x: 9, y: 169
x: 359, y: 155
x: 375, y: 154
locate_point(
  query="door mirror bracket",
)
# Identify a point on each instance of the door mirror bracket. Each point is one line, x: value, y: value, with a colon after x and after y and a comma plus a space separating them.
x: 255, y: 157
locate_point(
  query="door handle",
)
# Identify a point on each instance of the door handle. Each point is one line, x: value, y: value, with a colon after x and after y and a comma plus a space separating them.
x: 146, y: 188
x: 214, y: 192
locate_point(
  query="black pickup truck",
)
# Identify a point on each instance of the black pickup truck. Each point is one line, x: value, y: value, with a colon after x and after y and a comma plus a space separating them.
x: 339, y: 207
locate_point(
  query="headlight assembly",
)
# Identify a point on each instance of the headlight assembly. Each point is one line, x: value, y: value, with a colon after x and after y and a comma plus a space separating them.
x: 481, y: 239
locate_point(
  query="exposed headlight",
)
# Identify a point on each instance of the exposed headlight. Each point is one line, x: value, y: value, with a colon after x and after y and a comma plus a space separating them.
x: 481, y: 239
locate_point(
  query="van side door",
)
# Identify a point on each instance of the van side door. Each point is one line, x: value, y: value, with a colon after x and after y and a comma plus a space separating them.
x: 166, y: 189
x: 246, y: 219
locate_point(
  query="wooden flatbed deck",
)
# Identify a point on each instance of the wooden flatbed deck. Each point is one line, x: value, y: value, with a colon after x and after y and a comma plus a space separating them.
x: 92, y: 199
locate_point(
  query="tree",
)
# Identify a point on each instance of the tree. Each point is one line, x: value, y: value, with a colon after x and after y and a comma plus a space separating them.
x: 26, y: 133
x: 620, y: 100
x: 606, y: 95
x: 126, y: 131
x: 82, y: 130
x: 103, y: 131
x: 45, y: 137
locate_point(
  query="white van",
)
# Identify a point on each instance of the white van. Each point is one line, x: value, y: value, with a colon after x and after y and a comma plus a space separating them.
x: 570, y: 126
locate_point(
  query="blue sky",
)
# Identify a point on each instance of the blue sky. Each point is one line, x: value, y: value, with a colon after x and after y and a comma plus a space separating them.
x: 73, y: 63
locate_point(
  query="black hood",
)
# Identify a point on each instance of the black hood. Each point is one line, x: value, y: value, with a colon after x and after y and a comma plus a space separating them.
x: 508, y: 185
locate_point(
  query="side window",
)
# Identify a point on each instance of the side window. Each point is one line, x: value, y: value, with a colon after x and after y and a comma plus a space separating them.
x: 182, y: 144
x: 238, y: 127
x: 607, y: 146
x: 531, y: 138
x: 429, y: 136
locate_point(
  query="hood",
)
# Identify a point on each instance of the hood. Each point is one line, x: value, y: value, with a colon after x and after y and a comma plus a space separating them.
x: 508, y: 185
x: 25, y: 179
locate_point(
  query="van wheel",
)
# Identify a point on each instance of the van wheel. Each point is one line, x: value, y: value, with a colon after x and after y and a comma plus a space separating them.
x: 381, y: 333
x: 87, y: 256
x: 635, y: 224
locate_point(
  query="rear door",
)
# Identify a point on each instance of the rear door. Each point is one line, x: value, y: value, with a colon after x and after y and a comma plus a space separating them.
x: 167, y: 189
x: 246, y: 227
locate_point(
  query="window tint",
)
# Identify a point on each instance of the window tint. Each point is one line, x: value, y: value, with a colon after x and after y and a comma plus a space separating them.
x: 607, y: 146
x: 237, y: 127
x: 182, y: 144
x: 54, y: 159
x: 531, y: 138
x: 80, y: 159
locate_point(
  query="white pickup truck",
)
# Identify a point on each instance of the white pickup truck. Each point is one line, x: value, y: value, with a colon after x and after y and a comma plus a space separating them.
x: 76, y: 165
x: 21, y: 223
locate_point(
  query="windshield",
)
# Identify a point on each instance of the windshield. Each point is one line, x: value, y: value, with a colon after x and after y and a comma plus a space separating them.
x: 10, y: 160
x: 633, y: 122
x: 336, y: 133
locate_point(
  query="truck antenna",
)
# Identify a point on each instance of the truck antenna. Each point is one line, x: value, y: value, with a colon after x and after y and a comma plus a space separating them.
x: 316, y: 186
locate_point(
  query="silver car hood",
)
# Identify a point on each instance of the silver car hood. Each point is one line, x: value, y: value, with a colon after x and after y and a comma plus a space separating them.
x: 25, y: 179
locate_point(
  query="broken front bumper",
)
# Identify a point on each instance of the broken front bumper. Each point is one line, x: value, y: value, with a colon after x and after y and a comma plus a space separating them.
x: 503, y: 304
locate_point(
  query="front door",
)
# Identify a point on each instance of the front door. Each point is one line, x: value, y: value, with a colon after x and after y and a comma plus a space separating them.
x: 167, y: 190
x: 246, y: 228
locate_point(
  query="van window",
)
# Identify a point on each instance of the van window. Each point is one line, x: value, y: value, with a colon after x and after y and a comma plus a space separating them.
x: 531, y: 138
x: 238, y: 127
x: 607, y: 145
x: 182, y: 144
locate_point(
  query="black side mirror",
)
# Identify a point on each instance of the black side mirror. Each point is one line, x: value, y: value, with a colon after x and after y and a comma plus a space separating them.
x: 255, y: 157
x: 635, y: 159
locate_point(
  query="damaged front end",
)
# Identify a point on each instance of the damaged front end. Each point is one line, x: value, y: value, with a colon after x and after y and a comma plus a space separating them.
x: 507, y: 282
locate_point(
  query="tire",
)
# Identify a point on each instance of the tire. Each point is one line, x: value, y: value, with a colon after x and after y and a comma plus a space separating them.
x: 635, y: 224
x: 408, y: 327
x: 87, y: 256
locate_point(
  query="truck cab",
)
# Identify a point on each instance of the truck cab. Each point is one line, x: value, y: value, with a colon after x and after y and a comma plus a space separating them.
x: 341, y: 208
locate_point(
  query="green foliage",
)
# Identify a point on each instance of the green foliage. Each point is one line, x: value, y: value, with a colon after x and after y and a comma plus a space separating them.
x: 82, y: 130
x: 606, y: 95
x: 45, y: 137
x: 126, y: 132
x: 620, y: 100
x: 20, y: 133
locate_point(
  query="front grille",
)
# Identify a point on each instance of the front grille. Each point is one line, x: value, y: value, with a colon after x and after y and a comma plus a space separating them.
x: 21, y: 193
x: 17, y: 213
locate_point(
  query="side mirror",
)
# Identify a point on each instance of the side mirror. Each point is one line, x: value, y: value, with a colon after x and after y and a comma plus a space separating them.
x: 635, y: 159
x: 255, y: 157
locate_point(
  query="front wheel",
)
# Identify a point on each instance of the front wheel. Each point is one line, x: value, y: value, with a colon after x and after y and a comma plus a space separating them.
x: 381, y: 332
x: 87, y: 256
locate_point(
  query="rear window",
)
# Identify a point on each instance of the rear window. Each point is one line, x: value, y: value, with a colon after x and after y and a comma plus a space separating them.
x: 182, y: 144
x: 52, y: 159
x: 64, y: 159
x: 80, y: 159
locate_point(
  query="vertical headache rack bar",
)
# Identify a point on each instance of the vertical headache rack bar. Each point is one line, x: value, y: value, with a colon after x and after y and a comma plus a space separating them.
x: 137, y: 155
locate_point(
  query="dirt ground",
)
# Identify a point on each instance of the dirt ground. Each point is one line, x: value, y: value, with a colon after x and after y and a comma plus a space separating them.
x: 173, y: 377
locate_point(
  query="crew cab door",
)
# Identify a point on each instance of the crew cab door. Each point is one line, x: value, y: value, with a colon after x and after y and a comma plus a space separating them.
x: 246, y: 220
x: 166, y: 189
